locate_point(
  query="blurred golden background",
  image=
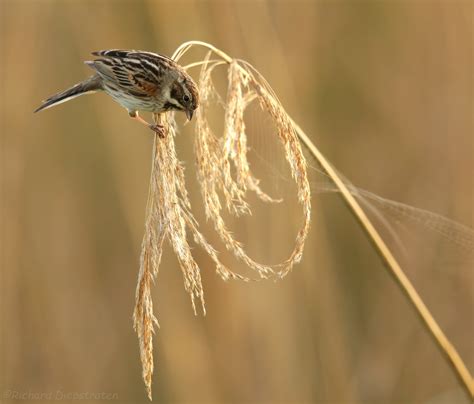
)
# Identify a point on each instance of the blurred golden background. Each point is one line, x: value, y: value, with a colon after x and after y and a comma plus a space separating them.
x: 384, y: 88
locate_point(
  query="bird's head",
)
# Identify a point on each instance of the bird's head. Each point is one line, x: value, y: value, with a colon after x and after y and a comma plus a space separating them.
x: 184, y: 95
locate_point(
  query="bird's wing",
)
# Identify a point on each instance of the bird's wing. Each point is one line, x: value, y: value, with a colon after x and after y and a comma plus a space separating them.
x: 121, y: 53
x: 139, y: 73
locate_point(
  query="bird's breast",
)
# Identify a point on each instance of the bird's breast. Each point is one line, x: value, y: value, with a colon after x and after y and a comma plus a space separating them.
x: 135, y: 102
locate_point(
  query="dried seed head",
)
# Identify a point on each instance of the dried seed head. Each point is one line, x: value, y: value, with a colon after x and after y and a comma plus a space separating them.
x: 218, y: 158
x: 223, y: 173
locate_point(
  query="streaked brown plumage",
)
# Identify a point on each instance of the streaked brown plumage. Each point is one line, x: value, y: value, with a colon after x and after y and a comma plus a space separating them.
x: 137, y: 80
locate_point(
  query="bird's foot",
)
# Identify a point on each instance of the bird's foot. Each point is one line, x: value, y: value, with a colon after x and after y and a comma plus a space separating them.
x: 155, y: 127
x: 158, y: 129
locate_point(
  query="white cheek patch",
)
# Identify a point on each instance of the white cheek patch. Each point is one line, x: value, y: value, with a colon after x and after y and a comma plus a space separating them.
x: 167, y: 97
x: 175, y: 103
x: 172, y: 100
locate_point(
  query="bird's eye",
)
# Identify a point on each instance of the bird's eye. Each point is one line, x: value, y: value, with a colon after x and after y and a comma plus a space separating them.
x: 186, y: 98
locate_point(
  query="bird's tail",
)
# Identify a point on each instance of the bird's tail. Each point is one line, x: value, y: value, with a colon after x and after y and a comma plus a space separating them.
x: 90, y: 85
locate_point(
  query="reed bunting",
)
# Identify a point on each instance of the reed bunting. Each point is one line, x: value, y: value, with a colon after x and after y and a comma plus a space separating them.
x: 139, y: 81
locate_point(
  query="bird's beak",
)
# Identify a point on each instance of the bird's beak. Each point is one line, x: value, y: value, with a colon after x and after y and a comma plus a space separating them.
x: 189, y: 114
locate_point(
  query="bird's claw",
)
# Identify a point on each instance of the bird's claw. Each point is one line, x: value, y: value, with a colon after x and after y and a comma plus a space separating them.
x: 158, y: 129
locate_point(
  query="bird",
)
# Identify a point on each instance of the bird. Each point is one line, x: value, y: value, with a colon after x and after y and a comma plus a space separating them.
x: 138, y: 81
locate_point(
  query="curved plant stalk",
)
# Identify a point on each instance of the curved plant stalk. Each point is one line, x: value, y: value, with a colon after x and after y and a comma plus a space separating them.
x: 224, y: 175
x: 394, y: 268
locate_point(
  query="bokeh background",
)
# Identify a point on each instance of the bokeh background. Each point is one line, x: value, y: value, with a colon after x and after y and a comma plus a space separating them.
x: 384, y: 88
